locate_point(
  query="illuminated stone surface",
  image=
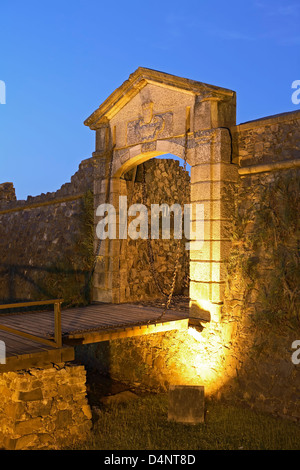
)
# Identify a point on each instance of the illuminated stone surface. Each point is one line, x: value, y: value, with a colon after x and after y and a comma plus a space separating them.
x: 44, y: 408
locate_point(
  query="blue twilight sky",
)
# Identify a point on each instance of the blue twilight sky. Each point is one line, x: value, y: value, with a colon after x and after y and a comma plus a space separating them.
x: 61, y: 59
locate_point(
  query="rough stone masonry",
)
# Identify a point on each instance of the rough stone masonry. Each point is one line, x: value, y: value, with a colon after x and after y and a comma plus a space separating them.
x: 150, y: 115
x: 44, y: 408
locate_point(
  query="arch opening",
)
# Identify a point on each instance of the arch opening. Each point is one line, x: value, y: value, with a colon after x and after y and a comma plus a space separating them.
x: 148, y: 266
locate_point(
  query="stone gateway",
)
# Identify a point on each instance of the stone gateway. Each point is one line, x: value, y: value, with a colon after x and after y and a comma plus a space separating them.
x: 242, y: 283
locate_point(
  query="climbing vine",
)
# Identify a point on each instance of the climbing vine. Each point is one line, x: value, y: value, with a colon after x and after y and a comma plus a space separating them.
x: 265, y: 256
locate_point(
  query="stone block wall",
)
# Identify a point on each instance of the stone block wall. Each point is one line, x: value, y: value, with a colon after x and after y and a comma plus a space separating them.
x: 166, y: 182
x: 123, y: 271
x: 271, y: 139
x: 7, y: 192
x: 156, y: 361
x: 44, y: 408
x: 262, y: 296
x: 40, y: 238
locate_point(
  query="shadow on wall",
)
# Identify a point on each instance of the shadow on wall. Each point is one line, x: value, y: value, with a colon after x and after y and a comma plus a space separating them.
x: 42, y: 283
x: 47, y: 252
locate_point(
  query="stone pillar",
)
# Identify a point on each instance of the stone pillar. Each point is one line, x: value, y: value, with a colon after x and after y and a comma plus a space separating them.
x: 106, y: 280
x: 104, y: 283
x: 211, y: 173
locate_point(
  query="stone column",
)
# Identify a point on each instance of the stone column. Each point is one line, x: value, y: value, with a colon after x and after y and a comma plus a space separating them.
x: 211, y: 173
x: 106, y: 280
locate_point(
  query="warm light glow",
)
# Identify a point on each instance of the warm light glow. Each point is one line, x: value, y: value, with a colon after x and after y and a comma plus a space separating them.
x: 202, y: 358
x: 202, y: 304
x: 195, y: 334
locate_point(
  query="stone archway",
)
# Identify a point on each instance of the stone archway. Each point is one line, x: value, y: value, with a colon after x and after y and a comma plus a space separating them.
x: 152, y: 114
x: 165, y: 183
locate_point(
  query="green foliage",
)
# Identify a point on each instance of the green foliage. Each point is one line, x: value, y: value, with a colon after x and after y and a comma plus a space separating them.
x: 265, y: 231
x: 68, y: 276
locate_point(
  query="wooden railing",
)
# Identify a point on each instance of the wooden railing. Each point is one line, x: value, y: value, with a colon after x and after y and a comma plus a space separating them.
x: 57, y: 341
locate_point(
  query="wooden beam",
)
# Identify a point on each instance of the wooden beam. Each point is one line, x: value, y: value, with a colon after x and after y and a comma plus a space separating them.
x: 39, y: 339
x: 57, y: 325
x: 30, y: 304
x: 38, y: 359
x: 111, y: 334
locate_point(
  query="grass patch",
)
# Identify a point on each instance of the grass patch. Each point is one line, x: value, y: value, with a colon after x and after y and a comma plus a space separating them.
x: 142, y: 424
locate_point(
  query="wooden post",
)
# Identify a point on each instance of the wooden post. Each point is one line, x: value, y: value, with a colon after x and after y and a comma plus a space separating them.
x: 57, y: 325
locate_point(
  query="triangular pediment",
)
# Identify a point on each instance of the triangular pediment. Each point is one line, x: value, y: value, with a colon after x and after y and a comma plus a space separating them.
x: 142, y: 77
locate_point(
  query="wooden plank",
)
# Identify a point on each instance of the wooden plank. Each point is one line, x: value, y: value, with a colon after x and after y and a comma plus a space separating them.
x: 113, y: 309
x: 129, y: 310
x: 99, y: 322
x: 125, y: 311
x: 128, y: 332
x: 42, y: 326
x: 96, y: 314
x: 14, y: 341
x: 116, y: 311
x: 71, y: 322
x: 124, y: 314
x: 24, y: 321
x: 71, y: 317
x: 26, y: 327
x: 16, y: 345
x: 113, y: 324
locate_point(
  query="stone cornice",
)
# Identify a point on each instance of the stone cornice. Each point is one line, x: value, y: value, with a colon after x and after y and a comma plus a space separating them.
x: 138, y: 80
